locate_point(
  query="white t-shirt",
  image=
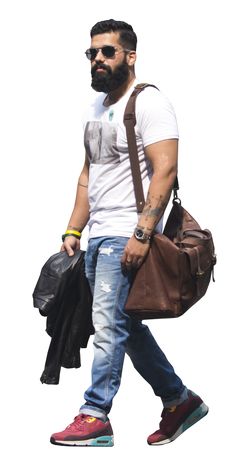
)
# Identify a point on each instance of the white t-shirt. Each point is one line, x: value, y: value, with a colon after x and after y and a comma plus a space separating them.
x: 112, y: 201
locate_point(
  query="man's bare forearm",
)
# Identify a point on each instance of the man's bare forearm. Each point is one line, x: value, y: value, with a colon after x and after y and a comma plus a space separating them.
x: 157, y: 199
x: 80, y: 213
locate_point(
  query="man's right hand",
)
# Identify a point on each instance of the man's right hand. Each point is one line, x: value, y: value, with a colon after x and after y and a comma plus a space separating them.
x: 70, y: 245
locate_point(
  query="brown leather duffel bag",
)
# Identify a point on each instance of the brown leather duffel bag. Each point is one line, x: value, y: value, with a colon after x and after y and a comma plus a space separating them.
x: 177, y: 270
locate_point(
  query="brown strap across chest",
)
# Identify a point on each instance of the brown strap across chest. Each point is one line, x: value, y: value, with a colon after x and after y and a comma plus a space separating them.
x: 130, y: 122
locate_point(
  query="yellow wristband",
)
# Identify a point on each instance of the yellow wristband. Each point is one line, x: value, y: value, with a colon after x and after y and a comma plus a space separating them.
x: 74, y: 232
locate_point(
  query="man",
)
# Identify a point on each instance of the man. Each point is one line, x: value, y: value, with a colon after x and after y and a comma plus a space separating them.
x: 119, y: 238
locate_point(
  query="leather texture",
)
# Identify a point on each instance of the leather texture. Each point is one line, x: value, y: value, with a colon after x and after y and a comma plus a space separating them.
x: 177, y: 270
x: 62, y: 294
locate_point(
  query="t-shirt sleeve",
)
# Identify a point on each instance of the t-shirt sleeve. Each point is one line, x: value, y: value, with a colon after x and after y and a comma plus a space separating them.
x: 155, y: 116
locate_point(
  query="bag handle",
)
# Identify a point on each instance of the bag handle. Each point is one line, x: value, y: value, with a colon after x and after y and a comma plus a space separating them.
x: 130, y: 122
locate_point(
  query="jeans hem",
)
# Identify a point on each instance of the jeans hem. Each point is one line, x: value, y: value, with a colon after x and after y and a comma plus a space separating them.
x: 176, y: 401
x: 93, y: 411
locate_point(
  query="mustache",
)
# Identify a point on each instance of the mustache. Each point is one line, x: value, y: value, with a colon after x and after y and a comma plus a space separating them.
x: 100, y: 66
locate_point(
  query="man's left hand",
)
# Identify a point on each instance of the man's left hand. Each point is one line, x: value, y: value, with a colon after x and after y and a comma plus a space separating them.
x: 134, y: 253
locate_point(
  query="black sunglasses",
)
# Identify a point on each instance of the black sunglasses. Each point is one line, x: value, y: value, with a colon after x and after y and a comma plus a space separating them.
x: 108, y: 51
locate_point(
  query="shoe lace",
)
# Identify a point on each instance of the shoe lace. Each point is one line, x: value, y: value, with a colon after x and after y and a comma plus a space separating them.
x: 78, y: 423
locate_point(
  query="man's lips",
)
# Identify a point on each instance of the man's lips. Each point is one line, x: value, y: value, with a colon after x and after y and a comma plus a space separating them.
x: 99, y: 70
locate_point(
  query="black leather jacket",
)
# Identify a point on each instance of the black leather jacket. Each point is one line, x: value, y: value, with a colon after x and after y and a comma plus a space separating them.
x: 62, y: 294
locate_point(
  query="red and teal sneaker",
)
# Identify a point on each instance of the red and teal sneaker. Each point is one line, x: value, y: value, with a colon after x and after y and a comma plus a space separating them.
x: 85, y: 431
x: 177, y: 419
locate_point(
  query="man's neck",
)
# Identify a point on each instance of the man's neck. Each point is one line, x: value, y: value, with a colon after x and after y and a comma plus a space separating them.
x: 115, y: 95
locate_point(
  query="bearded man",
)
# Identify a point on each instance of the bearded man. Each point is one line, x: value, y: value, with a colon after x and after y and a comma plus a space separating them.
x: 119, y: 238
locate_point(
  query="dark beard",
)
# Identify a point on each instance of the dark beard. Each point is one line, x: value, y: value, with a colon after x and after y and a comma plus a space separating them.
x: 109, y: 81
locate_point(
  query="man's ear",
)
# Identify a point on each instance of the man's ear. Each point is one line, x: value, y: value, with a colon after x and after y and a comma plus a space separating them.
x: 131, y: 58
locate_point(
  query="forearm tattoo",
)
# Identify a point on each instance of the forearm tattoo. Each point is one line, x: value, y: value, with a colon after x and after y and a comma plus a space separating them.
x: 151, y: 211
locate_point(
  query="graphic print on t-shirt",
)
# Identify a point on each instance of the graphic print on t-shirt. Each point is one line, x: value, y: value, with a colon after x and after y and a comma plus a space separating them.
x: 100, y: 139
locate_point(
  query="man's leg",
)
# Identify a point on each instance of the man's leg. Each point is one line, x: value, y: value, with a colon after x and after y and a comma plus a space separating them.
x: 182, y: 407
x: 152, y: 364
x: 110, y: 288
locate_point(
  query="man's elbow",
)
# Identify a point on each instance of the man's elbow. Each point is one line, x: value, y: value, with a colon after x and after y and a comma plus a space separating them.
x: 173, y: 172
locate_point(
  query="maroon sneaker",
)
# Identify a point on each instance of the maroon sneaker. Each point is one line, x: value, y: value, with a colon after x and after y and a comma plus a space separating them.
x: 85, y: 431
x: 177, y: 419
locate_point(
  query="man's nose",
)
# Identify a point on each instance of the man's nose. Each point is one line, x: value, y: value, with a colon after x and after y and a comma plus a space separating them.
x: 100, y: 57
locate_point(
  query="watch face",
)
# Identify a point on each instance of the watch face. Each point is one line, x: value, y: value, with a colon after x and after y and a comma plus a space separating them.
x: 139, y: 233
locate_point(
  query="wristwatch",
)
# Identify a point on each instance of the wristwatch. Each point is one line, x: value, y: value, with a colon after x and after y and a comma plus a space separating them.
x: 141, y: 236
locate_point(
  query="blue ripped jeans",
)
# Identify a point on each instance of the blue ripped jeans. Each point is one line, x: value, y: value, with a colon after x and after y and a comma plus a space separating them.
x: 116, y: 334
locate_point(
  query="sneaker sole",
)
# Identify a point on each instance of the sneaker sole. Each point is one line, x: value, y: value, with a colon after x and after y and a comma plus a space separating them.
x: 106, y: 440
x: 196, y: 415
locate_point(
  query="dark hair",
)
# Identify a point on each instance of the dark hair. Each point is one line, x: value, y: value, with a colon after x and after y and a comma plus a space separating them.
x: 128, y: 38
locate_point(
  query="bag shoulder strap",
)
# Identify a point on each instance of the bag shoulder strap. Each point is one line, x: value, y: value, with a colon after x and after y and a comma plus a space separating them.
x: 130, y: 122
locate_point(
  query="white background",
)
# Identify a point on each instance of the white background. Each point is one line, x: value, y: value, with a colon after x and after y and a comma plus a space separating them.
x: 187, y: 48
